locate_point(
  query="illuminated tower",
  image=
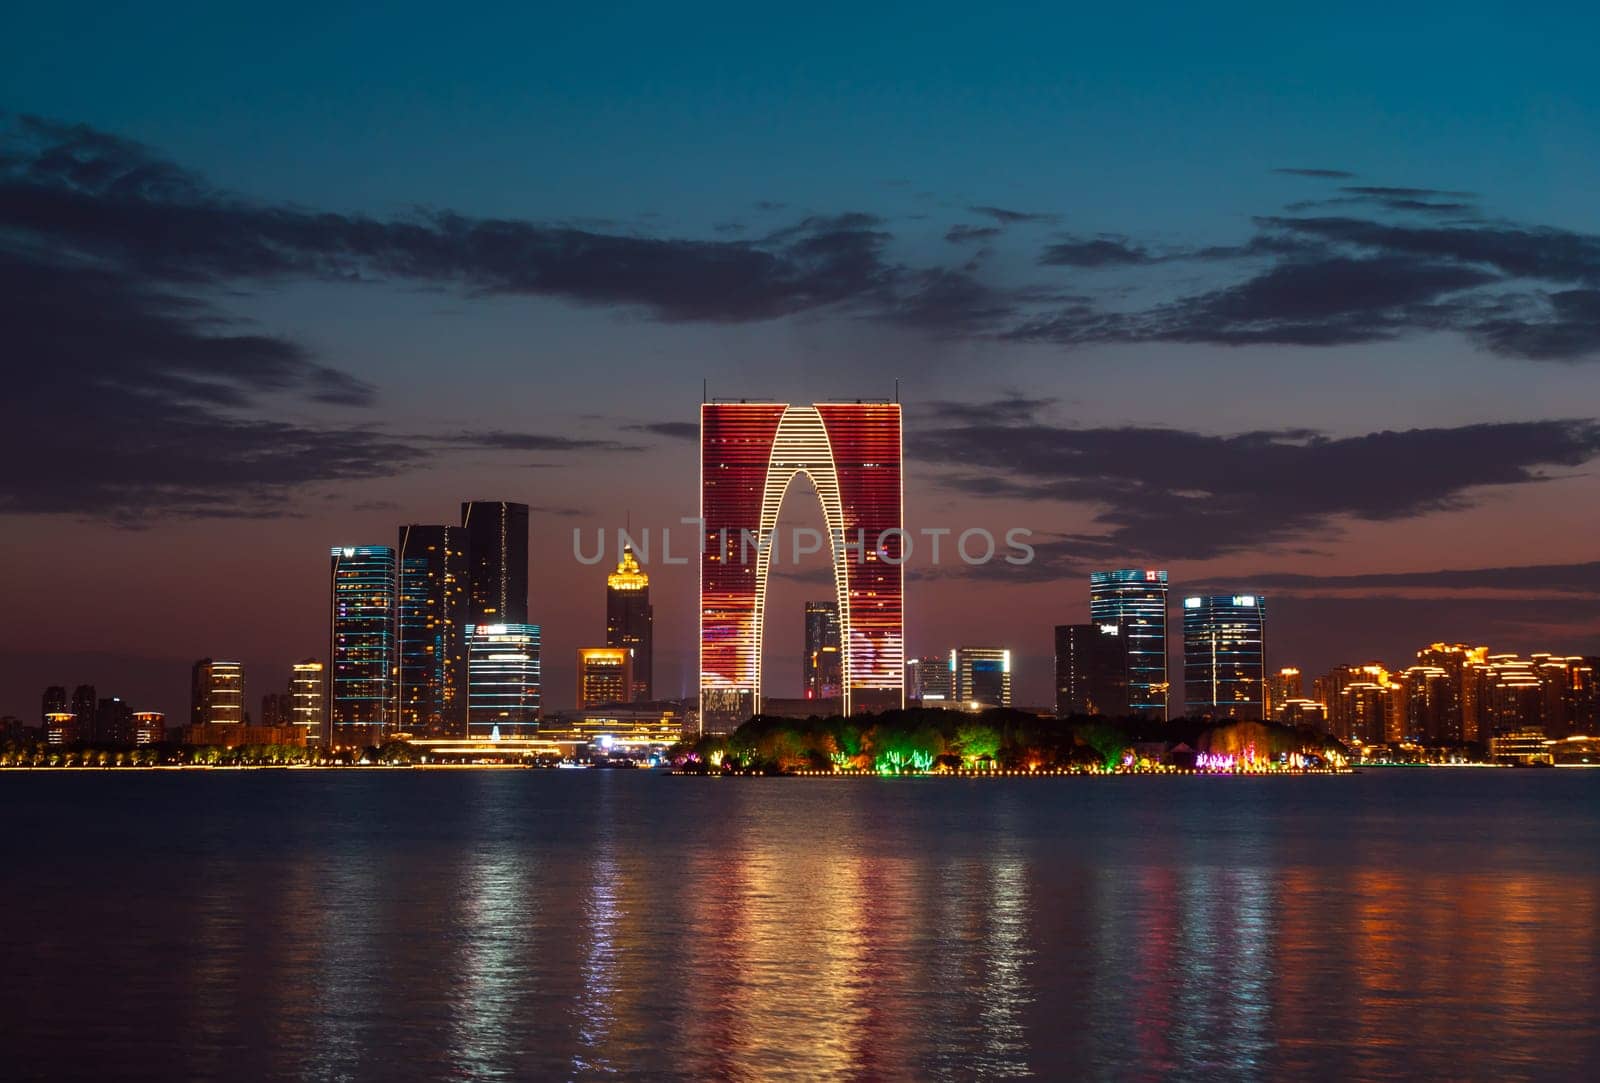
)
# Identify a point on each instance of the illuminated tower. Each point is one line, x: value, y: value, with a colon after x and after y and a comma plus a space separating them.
x: 1136, y: 598
x: 431, y: 680
x: 361, y: 644
x: 307, y: 699
x: 929, y: 680
x: 749, y: 454
x: 149, y: 728
x: 982, y: 677
x: 1283, y: 685
x: 216, y: 696
x: 502, y: 680
x: 497, y: 555
x: 630, y: 621
x: 1224, y: 655
x: 822, y: 673
x: 54, y: 700
x: 605, y: 675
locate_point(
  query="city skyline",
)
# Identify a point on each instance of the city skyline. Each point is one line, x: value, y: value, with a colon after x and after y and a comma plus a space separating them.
x: 1125, y: 597
x: 1342, y: 354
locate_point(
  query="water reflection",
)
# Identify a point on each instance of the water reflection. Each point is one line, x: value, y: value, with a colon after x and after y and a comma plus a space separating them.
x: 524, y: 925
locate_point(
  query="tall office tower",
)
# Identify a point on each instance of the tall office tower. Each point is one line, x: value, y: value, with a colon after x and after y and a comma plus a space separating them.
x: 497, y: 562
x: 630, y: 622
x: 276, y: 709
x: 982, y: 677
x: 502, y: 680
x: 217, y: 693
x: 113, y: 722
x: 149, y: 728
x: 308, y: 706
x: 928, y: 680
x: 84, y: 706
x: 1136, y: 598
x: 1091, y: 670
x: 53, y: 701
x: 361, y: 589
x: 431, y: 631
x: 749, y: 454
x: 1283, y: 685
x: 1224, y: 655
x: 605, y: 675
x: 822, y: 669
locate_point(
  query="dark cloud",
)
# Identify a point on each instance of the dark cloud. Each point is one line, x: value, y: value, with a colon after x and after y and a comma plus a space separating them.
x: 501, y: 440
x: 1399, y: 204
x: 967, y: 234
x: 675, y: 430
x: 1171, y: 494
x: 1579, y: 579
x: 132, y: 395
x: 1390, y: 192
x: 75, y: 190
x: 1096, y: 252
x: 1559, y: 326
x: 1005, y: 410
x: 1514, y: 251
x: 1326, y: 174
x: 1310, y: 302
x: 950, y: 302
x: 1010, y: 217
x: 129, y: 403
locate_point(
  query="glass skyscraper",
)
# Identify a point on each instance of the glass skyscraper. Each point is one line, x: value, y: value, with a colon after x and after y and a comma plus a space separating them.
x: 1224, y: 655
x: 431, y: 682
x: 931, y: 680
x: 497, y: 555
x: 822, y: 671
x: 502, y: 680
x: 982, y: 677
x: 361, y: 636
x: 1136, y: 598
x: 1091, y: 670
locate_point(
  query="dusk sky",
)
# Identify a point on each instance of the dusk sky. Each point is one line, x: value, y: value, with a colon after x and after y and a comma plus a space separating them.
x: 1303, y: 303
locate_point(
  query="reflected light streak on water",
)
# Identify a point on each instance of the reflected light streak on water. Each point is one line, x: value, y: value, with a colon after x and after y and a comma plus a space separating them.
x: 425, y: 925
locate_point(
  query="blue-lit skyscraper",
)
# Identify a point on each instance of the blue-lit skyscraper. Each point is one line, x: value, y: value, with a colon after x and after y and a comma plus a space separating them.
x: 361, y: 650
x: 502, y: 680
x: 1136, y: 598
x: 431, y: 619
x: 1225, y: 656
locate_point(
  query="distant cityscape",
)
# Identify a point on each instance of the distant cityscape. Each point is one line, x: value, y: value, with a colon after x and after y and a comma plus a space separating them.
x: 430, y: 641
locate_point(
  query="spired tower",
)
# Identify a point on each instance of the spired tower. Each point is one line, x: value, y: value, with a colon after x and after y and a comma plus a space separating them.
x: 630, y: 621
x: 749, y: 454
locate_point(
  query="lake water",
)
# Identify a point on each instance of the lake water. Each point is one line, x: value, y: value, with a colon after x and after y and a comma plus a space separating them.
x: 575, y: 924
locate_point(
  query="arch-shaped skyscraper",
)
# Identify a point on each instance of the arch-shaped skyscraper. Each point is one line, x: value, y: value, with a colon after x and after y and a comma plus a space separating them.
x: 750, y: 452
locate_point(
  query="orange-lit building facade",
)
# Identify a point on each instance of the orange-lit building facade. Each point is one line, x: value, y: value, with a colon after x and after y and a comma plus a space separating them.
x: 750, y: 452
x: 605, y: 676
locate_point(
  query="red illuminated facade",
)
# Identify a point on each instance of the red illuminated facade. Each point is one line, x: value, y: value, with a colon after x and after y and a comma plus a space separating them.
x: 749, y: 454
